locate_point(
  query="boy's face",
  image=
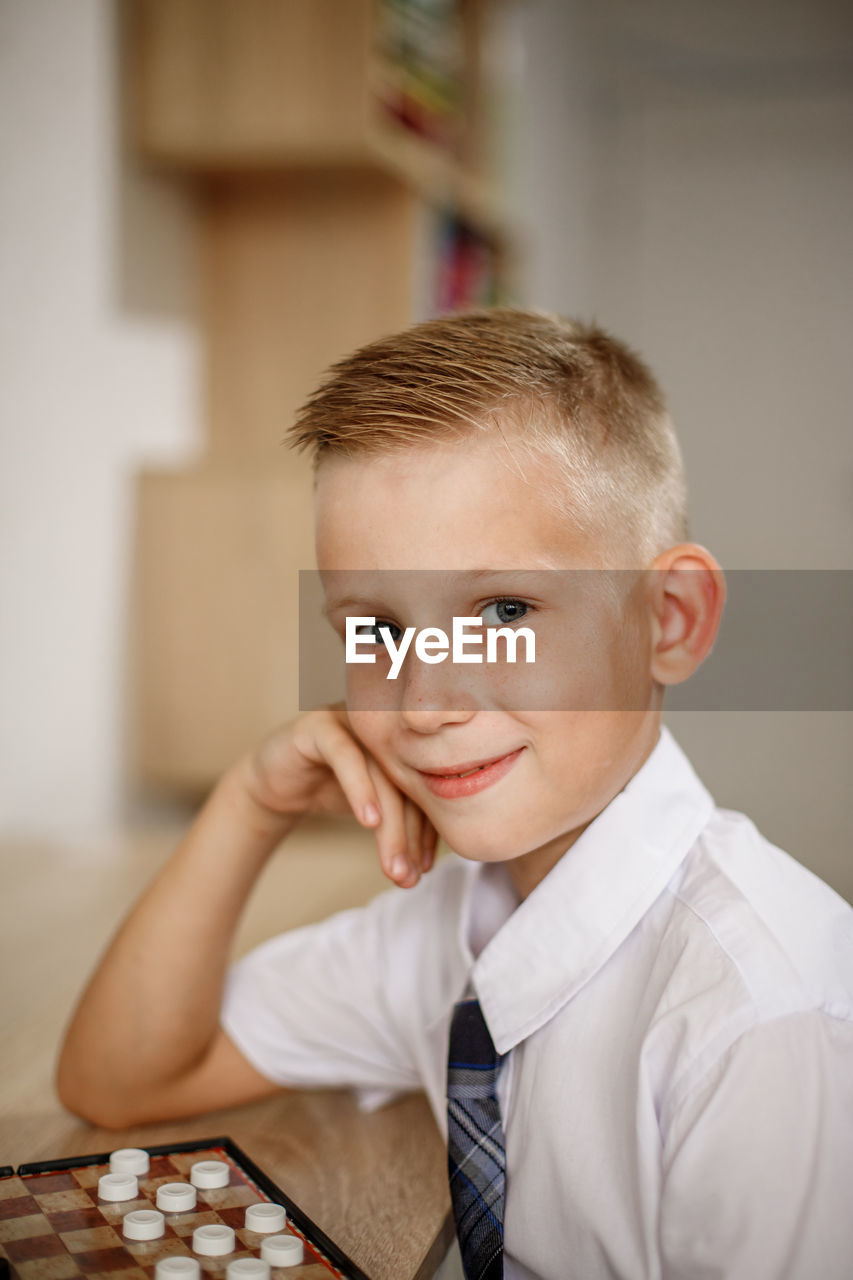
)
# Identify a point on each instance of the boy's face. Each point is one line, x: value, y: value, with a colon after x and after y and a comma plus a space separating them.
x: 462, y: 508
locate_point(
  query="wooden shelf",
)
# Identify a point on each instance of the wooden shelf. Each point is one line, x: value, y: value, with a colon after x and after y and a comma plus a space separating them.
x: 289, y: 86
x: 295, y: 272
x: 437, y: 178
x: 221, y: 84
x: 323, y: 222
x: 215, y: 637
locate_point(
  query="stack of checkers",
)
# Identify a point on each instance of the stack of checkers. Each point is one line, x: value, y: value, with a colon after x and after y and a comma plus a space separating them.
x: 167, y: 1217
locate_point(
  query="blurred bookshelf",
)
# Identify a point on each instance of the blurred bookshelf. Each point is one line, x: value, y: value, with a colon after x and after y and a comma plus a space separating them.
x: 342, y: 157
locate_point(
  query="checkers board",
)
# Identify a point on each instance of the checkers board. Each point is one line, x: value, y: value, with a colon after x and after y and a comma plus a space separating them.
x: 54, y: 1227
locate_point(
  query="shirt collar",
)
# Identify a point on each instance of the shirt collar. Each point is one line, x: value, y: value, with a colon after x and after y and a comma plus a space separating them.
x: 575, y: 919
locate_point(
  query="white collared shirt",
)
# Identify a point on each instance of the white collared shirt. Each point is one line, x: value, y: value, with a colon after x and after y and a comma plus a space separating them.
x: 676, y: 1000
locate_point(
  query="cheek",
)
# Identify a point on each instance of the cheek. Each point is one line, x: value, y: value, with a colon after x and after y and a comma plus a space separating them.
x: 577, y: 751
x: 632, y: 663
x: 613, y: 670
x: 373, y: 729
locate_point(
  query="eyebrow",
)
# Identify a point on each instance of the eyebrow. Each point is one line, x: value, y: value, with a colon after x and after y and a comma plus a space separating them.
x: 335, y: 603
x: 345, y: 602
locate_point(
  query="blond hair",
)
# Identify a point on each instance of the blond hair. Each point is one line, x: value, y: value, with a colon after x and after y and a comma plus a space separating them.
x: 560, y: 389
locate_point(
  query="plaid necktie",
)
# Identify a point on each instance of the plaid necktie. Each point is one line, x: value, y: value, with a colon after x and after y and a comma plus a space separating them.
x: 475, y: 1151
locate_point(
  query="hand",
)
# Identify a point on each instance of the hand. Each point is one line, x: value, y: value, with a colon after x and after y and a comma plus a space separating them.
x: 316, y: 765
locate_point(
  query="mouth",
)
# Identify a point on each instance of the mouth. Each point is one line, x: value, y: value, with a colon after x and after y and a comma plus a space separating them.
x: 470, y: 776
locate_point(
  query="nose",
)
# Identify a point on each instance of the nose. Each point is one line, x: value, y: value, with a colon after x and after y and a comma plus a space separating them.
x: 434, y: 696
x: 424, y: 719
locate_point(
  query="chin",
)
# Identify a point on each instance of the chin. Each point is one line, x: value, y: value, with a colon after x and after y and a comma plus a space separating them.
x: 478, y: 847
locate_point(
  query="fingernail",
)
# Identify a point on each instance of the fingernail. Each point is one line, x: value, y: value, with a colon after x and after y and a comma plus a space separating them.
x: 399, y: 867
x: 371, y: 815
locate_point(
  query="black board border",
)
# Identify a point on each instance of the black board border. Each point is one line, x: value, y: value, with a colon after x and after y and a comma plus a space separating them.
x: 263, y: 1181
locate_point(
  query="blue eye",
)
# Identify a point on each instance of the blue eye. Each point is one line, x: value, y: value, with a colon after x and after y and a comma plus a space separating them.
x: 501, y: 612
x: 372, y: 633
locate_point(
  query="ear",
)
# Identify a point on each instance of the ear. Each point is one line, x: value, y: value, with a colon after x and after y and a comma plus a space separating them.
x: 687, y: 596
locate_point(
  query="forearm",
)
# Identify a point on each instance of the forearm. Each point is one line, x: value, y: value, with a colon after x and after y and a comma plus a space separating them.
x: 151, y: 1009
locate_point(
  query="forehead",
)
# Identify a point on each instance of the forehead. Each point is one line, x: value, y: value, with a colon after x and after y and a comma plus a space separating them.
x: 474, y: 504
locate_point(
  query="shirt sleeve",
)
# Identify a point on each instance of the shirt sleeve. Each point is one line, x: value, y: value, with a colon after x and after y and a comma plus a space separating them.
x: 312, y: 1008
x: 758, y: 1162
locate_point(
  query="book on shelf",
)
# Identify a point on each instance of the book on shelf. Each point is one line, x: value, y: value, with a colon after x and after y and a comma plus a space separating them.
x: 419, y: 78
x: 456, y: 266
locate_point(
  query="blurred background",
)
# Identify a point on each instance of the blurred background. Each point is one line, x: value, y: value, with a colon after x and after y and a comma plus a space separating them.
x: 206, y: 201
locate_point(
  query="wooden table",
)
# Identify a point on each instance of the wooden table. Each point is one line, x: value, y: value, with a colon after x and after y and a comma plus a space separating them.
x: 376, y: 1183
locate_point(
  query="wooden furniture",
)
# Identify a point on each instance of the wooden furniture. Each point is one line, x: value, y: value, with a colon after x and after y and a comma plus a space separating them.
x: 339, y: 152
x: 377, y: 1184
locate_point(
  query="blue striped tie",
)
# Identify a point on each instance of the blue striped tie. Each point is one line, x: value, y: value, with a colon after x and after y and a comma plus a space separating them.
x: 475, y: 1143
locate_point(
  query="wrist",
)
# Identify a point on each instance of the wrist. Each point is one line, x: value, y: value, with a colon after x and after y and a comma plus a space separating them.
x: 241, y: 790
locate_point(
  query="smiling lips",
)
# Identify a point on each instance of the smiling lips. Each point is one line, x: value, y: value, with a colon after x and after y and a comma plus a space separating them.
x: 467, y: 779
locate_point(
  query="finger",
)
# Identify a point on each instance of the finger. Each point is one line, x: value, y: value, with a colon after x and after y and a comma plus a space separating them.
x: 391, y: 834
x: 426, y: 843
x: 430, y: 844
x: 334, y: 746
x: 414, y: 821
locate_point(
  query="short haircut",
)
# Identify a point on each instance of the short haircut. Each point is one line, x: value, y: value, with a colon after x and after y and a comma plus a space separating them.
x: 565, y: 391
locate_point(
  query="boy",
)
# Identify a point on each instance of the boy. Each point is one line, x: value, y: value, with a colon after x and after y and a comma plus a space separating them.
x: 648, y: 1008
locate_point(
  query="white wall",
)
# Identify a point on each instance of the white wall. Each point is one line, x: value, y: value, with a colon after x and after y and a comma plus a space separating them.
x: 703, y: 212
x: 90, y: 385
x: 551, y: 171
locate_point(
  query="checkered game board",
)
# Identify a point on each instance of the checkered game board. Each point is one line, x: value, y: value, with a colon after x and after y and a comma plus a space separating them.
x: 54, y: 1227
